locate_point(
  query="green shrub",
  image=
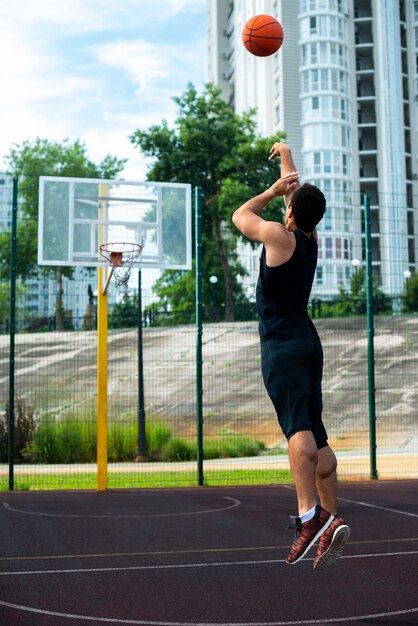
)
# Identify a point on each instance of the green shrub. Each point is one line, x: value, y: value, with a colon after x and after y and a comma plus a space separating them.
x: 123, y: 441
x: 67, y: 441
x: 229, y: 446
x: 158, y: 435
x: 71, y: 440
x: 177, y: 449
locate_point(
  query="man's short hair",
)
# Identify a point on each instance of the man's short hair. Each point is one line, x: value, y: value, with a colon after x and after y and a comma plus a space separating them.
x: 308, y: 204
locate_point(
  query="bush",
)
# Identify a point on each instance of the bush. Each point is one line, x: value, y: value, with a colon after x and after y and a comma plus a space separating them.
x: 158, y: 436
x: 67, y: 441
x: 229, y: 446
x: 39, y: 324
x: 24, y: 430
x: 123, y: 441
x: 73, y: 440
x: 177, y: 449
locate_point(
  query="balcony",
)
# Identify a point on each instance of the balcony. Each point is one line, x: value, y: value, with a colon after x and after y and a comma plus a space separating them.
x: 368, y: 152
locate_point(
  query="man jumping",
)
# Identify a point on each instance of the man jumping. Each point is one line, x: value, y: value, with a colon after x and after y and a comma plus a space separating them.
x: 291, y: 353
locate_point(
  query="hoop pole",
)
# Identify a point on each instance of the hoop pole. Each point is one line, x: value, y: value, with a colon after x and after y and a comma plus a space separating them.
x: 102, y: 327
x: 101, y: 382
x: 105, y: 288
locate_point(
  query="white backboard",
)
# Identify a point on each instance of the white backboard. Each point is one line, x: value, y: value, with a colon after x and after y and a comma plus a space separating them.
x: 76, y: 215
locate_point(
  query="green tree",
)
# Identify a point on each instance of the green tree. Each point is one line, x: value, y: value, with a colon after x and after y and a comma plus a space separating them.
x: 5, y: 301
x: 354, y: 301
x: 124, y: 314
x: 28, y: 161
x: 219, y: 151
x: 410, y: 293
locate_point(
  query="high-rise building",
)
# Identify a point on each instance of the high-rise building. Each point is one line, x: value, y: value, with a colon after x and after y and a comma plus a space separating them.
x: 344, y: 88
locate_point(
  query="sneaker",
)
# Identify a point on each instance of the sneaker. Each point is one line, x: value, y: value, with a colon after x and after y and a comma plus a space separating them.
x: 306, y: 534
x: 332, y: 543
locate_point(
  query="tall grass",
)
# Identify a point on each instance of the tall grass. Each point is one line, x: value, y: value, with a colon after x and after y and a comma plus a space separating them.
x: 71, y: 440
x: 66, y: 441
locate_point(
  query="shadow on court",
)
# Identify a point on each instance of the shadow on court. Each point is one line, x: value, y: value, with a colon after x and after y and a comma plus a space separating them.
x: 203, y: 556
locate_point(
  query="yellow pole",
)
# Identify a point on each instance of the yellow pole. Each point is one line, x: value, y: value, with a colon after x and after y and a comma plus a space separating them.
x: 101, y: 382
x: 102, y: 311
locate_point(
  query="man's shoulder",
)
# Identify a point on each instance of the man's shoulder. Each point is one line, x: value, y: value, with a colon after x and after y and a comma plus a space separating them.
x: 280, y: 245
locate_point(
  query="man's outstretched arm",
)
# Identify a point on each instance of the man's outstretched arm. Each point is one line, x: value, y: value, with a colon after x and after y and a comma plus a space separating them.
x: 287, y: 165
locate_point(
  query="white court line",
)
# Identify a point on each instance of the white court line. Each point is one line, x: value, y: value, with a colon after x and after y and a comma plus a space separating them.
x: 110, y: 620
x: 382, y: 508
x: 224, y: 508
x: 189, y: 565
x: 373, y: 506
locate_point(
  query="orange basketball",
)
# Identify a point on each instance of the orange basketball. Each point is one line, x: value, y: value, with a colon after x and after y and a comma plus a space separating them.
x: 262, y: 35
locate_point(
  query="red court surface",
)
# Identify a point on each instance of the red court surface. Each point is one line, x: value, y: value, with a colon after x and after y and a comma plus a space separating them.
x: 203, y: 556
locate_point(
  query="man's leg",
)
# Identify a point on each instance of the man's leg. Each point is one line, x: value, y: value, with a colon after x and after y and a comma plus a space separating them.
x: 303, y: 458
x: 332, y: 541
x: 326, y: 479
x: 312, y: 520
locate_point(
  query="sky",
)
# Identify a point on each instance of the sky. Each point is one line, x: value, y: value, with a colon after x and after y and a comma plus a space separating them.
x: 96, y: 70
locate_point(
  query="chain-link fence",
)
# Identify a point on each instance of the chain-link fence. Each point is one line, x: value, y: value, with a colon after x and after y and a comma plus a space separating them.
x: 54, y: 368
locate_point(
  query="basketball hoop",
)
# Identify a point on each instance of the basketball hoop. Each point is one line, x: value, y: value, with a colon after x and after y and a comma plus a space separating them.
x: 121, y: 257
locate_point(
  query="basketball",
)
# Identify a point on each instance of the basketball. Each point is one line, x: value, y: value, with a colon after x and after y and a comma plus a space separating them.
x: 262, y: 35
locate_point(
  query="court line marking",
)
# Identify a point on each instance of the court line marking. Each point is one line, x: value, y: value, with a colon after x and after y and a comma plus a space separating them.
x: 234, y: 504
x: 373, y: 506
x: 111, y: 620
x: 382, y: 508
x: 177, y: 552
x: 128, y: 568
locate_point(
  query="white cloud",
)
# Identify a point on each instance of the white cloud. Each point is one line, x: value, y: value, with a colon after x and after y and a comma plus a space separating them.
x: 94, y: 15
x: 145, y: 64
x: 91, y: 70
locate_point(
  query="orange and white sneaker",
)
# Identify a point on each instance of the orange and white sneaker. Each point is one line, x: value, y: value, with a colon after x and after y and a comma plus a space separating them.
x: 307, y: 533
x: 331, y: 543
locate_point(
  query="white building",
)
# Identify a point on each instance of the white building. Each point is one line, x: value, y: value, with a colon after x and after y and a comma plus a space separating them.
x: 6, y: 200
x: 344, y: 88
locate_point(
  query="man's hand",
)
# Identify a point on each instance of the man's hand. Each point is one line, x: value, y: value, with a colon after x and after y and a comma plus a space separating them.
x: 277, y: 148
x: 286, y: 184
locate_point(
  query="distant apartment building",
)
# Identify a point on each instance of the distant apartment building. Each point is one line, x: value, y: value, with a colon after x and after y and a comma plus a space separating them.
x: 6, y: 199
x: 344, y: 87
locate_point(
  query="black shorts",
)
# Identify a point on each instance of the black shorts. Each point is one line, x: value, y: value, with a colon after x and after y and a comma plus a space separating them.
x: 292, y: 374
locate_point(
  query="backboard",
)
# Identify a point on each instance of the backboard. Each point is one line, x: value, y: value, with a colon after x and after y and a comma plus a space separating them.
x: 77, y: 215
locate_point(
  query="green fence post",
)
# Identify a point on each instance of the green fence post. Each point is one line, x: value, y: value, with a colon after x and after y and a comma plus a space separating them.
x: 370, y: 339
x: 199, y: 333
x: 13, y: 255
x: 142, y: 436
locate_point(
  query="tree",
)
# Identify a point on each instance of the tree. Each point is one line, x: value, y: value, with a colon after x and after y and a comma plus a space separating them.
x: 410, y: 293
x: 219, y: 151
x: 124, y: 314
x: 29, y: 161
x: 354, y: 301
x: 5, y: 302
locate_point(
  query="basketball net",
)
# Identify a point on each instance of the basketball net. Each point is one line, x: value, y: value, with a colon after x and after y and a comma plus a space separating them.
x: 121, y: 257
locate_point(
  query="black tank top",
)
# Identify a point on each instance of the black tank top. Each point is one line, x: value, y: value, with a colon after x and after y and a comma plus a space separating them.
x: 283, y: 292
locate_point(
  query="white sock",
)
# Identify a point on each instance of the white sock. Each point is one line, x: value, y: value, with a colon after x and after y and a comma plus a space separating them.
x: 305, y: 517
